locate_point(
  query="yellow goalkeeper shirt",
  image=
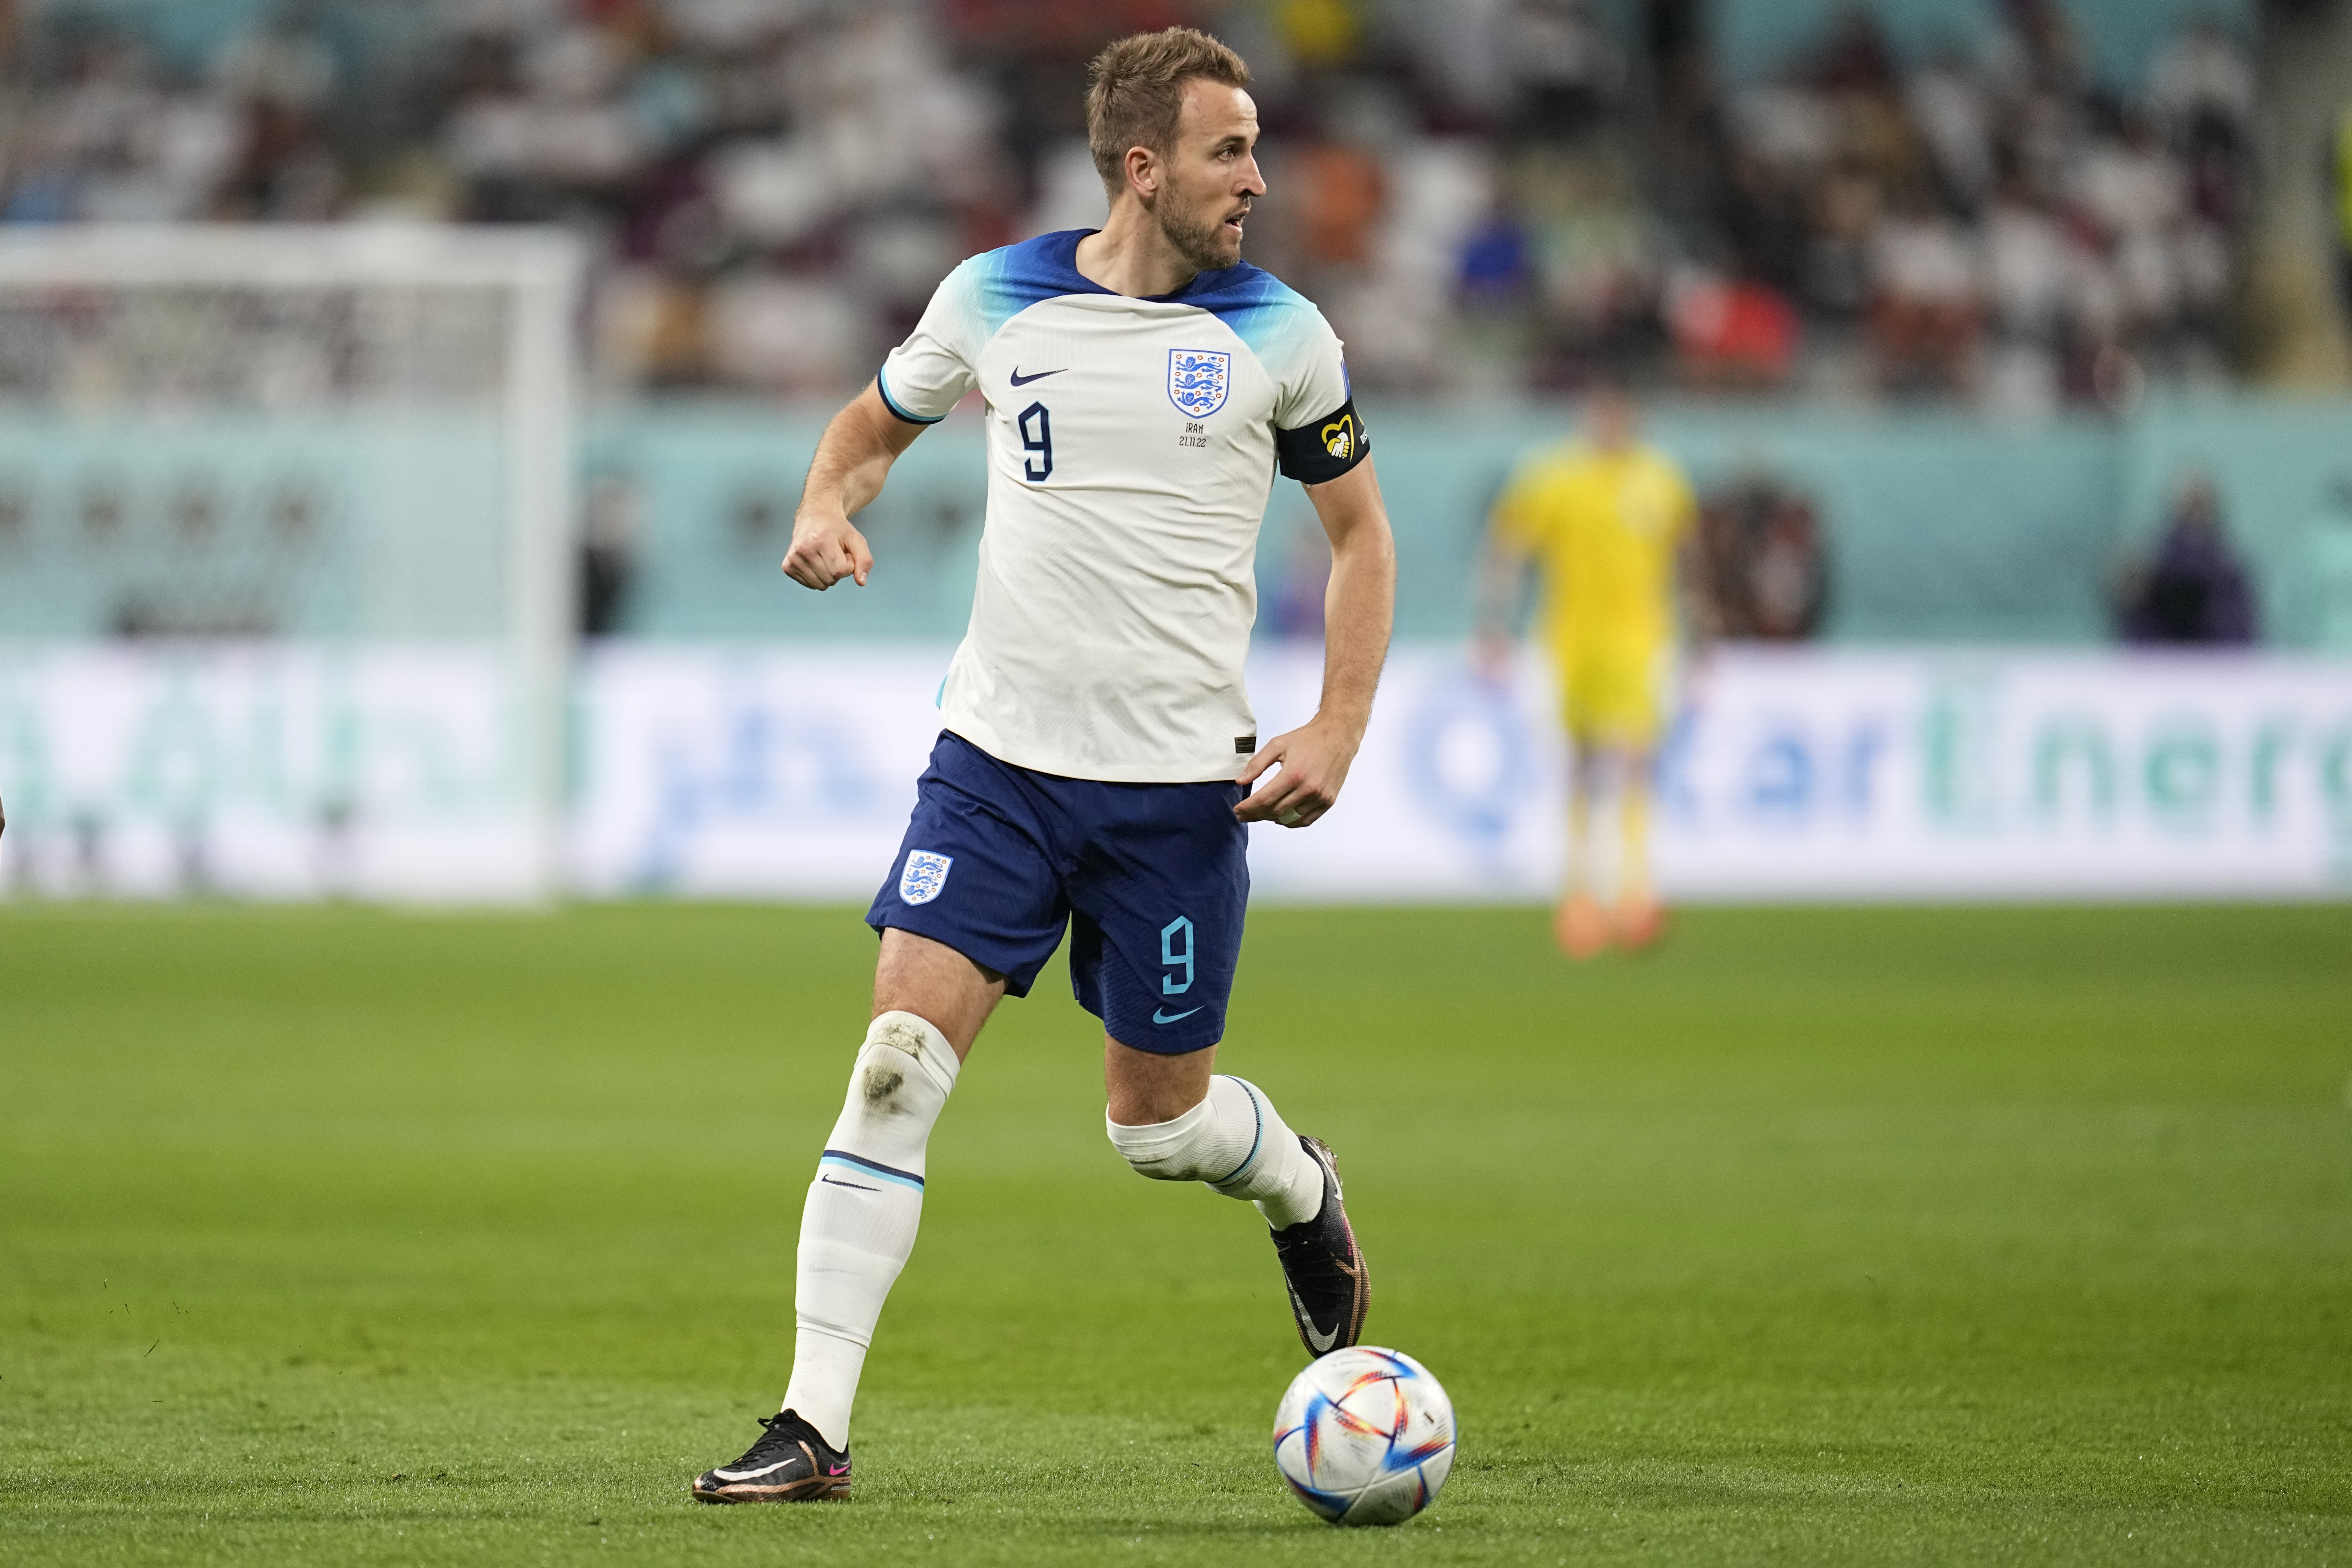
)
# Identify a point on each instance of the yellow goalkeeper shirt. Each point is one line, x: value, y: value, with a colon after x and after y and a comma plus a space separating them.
x: 1605, y: 528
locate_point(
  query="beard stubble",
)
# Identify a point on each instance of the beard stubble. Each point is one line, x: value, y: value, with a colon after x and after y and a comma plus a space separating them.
x: 1202, y: 244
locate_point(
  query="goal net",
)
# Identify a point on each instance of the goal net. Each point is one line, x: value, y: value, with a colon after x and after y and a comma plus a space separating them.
x: 285, y: 560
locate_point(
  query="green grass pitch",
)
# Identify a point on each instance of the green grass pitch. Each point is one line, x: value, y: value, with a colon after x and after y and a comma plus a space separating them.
x: 1819, y: 1236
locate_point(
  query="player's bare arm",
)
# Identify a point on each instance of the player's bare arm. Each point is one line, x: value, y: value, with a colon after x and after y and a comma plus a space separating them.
x: 1359, y: 609
x: 853, y: 459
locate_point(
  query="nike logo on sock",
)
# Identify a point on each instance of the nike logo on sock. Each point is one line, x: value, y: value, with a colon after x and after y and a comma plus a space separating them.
x: 853, y: 1186
x: 1167, y: 1018
x: 1021, y: 380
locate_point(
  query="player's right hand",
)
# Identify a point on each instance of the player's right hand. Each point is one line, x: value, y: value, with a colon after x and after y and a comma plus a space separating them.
x: 825, y: 551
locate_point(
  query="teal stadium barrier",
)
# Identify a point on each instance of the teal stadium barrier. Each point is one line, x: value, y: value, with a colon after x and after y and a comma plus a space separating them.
x: 246, y: 524
x: 1942, y: 527
x: 1754, y: 39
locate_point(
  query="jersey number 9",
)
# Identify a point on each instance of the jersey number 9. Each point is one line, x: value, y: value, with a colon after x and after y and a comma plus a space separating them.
x: 1039, y: 440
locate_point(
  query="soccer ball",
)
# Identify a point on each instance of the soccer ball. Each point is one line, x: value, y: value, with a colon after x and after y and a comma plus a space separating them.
x: 1365, y: 1437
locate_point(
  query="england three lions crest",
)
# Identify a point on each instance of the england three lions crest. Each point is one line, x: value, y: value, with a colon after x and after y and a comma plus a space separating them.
x: 925, y: 875
x: 1198, y: 380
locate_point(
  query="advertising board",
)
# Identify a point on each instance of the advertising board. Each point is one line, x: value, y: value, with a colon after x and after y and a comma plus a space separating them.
x: 787, y: 770
x: 1795, y: 775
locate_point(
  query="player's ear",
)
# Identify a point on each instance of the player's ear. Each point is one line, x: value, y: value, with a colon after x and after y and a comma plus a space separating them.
x: 1142, y: 172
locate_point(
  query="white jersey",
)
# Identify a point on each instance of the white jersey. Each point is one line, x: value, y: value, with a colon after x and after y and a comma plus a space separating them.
x: 1131, y: 445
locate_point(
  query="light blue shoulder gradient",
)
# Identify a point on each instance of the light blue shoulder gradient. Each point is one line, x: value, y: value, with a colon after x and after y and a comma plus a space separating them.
x: 1275, y: 320
x: 1006, y: 282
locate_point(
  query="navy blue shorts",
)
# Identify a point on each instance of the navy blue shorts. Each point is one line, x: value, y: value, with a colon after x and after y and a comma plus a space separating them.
x: 1151, y: 878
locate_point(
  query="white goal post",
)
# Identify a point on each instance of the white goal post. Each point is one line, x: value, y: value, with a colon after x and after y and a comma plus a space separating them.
x: 287, y: 580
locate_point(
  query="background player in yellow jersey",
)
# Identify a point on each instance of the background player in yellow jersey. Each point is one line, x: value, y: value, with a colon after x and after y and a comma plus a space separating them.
x: 1605, y: 521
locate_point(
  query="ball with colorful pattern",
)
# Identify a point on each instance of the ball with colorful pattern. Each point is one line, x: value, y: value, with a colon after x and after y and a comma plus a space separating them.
x: 1365, y: 1437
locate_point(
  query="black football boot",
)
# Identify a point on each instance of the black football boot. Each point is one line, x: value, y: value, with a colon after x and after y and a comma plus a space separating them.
x: 1330, y: 1288
x: 789, y: 1463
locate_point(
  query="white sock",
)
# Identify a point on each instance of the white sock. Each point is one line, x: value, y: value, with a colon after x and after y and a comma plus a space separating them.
x: 858, y: 1224
x: 1236, y: 1142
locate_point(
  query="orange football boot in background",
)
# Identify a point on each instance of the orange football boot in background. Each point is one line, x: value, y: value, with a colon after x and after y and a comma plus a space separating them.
x: 1581, y: 926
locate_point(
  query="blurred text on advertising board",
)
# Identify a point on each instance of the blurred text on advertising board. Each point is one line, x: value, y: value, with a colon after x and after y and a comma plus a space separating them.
x: 787, y: 771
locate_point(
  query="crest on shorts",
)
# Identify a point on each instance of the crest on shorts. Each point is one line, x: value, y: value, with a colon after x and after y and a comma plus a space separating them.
x: 1198, y: 380
x: 925, y: 875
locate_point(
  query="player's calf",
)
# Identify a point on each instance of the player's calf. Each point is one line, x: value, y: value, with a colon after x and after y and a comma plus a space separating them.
x: 858, y: 1227
x: 858, y: 1224
x: 1238, y: 1143
x: 1234, y: 1141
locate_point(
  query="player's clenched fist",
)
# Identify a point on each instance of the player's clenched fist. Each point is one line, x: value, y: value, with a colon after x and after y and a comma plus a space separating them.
x: 825, y: 551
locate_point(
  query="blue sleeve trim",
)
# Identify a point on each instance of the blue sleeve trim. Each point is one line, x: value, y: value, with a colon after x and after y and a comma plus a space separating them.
x: 891, y: 403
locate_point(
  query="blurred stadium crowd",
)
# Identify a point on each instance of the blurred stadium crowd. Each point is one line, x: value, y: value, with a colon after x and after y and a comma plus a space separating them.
x: 1486, y: 195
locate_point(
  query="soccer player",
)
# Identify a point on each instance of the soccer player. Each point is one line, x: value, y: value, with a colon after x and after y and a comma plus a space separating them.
x: 1099, y: 759
x: 1605, y: 521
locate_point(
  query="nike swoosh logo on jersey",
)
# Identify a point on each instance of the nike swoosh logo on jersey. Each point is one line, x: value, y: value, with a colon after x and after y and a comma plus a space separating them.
x: 1021, y: 380
x: 1163, y: 1017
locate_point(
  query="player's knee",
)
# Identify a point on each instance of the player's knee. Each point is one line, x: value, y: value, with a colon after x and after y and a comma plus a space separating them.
x: 1204, y: 1144
x: 896, y: 1091
x: 1164, y: 1151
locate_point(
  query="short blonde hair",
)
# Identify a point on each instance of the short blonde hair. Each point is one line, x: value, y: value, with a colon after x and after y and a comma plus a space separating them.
x: 1135, y: 92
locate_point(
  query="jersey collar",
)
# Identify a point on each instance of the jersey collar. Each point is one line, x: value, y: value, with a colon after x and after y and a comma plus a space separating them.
x: 1060, y: 252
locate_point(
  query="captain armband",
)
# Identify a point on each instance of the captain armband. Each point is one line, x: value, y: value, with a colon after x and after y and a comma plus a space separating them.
x: 1321, y: 451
